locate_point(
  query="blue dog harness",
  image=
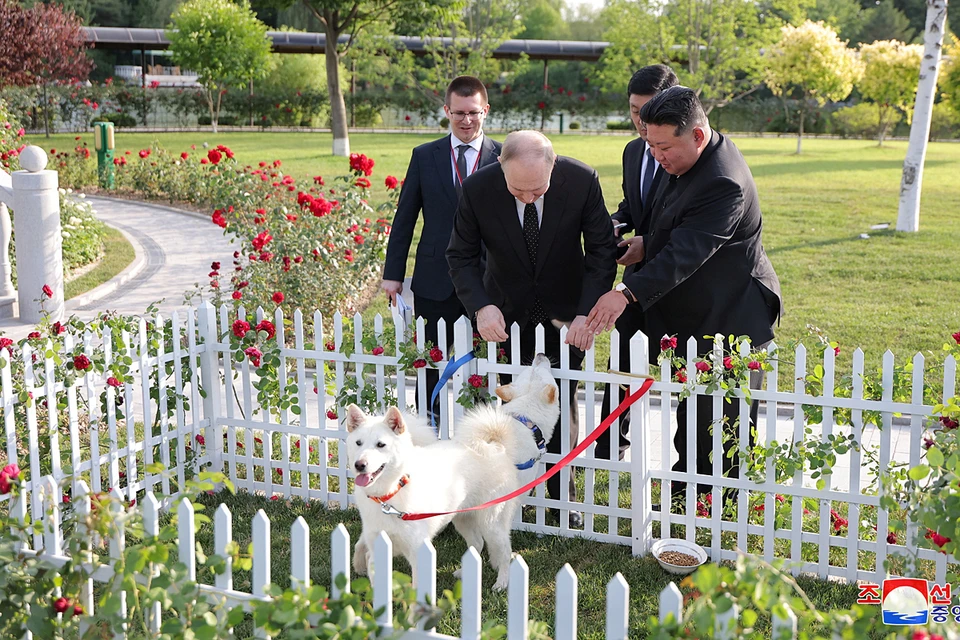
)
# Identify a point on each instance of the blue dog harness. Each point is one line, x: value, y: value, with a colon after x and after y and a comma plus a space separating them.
x: 538, y: 438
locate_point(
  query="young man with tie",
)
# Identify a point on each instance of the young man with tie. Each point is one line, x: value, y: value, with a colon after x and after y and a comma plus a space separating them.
x: 641, y: 176
x: 432, y: 185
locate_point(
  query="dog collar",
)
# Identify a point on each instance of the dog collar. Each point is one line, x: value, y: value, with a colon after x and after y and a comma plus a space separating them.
x: 400, y: 485
x: 537, y: 437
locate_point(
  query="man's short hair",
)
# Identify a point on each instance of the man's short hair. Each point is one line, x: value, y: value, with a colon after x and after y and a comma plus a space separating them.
x: 465, y: 87
x: 527, y: 145
x: 677, y: 106
x: 651, y: 80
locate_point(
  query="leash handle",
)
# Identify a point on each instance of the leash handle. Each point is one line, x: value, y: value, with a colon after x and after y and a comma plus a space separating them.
x: 452, y: 367
x: 580, y: 448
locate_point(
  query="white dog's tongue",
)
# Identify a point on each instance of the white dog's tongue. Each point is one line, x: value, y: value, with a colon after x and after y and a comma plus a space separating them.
x: 362, y: 479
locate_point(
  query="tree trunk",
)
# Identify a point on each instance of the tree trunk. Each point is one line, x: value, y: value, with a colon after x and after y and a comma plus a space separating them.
x: 338, y: 109
x: 908, y: 216
x: 803, y: 112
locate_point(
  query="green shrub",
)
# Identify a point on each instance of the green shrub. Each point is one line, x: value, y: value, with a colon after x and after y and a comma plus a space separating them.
x: 619, y: 125
x: 120, y: 119
x: 444, y: 123
x: 945, y: 124
x: 224, y: 119
x: 860, y: 121
x: 574, y: 126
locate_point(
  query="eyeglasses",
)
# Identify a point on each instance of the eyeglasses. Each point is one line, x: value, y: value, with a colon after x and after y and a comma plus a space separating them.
x: 457, y: 116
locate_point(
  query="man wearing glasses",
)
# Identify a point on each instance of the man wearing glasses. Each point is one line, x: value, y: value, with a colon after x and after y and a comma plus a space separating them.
x: 432, y: 185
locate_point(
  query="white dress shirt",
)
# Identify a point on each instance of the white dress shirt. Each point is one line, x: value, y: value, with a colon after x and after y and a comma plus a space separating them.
x: 470, y: 155
x: 538, y: 203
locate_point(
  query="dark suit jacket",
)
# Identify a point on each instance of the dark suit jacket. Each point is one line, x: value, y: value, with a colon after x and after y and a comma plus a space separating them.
x: 568, y: 279
x: 632, y: 210
x: 429, y: 187
x: 706, y: 271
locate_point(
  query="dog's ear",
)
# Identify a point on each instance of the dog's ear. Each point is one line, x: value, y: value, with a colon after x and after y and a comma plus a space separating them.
x: 355, y: 417
x: 549, y: 394
x: 394, y: 420
x: 505, y: 392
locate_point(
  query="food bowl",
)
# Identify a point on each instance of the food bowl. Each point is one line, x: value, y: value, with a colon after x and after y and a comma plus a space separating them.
x: 676, y: 545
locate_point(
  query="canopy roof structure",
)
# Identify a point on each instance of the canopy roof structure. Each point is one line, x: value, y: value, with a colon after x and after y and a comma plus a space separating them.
x: 135, y: 39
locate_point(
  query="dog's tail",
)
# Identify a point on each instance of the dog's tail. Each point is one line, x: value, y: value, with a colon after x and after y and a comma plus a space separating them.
x: 486, y: 430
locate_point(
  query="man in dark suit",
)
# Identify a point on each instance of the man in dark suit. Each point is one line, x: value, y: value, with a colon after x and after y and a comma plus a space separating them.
x: 641, y: 176
x: 705, y: 269
x: 531, y: 212
x: 432, y: 185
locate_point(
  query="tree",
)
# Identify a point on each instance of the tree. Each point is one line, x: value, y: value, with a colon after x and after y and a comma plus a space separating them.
x: 811, y: 64
x: 542, y: 20
x: 713, y: 45
x: 845, y: 16
x: 885, y: 22
x: 224, y: 43
x: 908, y: 217
x: 41, y: 45
x: 584, y: 22
x: 349, y: 18
x: 889, y: 79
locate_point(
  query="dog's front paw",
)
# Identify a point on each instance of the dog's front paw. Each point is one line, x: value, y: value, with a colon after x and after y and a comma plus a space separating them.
x: 360, y: 558
x: 501, y: 583
x: 458, y: 574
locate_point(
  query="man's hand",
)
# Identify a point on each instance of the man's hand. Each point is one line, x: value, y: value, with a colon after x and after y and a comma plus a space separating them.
x: 491, y: 325
x: 393, y: 289
x: 634, y: 252
x: 578, y: 335
x: 604, y: 314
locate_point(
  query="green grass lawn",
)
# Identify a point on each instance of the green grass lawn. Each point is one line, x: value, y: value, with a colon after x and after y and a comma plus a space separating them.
x: 891, y: 291
x: 117, y: 254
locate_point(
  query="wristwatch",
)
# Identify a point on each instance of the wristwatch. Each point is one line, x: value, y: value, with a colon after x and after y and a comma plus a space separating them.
x: 622, y: 288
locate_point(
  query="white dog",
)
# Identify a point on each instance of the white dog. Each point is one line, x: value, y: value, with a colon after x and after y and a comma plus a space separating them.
x: 399, y: 463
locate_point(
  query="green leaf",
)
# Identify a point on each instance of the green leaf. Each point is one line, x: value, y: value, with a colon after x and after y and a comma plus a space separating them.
x: 935, y: 457
x: 919, y: 472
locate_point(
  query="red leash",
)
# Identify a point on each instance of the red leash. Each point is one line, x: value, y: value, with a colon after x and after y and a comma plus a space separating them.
x: 580, y: 448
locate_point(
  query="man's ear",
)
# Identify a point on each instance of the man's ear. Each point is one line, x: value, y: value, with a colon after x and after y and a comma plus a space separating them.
x: 699, y: 135
x: 355, y: 417
x: 549, y: 394
x: 394, y: 420
x: 505, y: 392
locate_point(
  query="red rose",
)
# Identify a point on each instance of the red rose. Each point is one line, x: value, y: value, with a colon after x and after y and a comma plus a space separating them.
x: 254, y: 354
x: 47, y: 291
x: 956, y: 337
x: 377, y: 350
x: 65, y: 499
x: 266, y: 325
x: 839, y: 523
x: 948, y: 423
x: 891, y: 538
x: 214, y: 156
x: 836, y: 351
x: 204, y: 161
x: 184, y: 155
x: 436, y: 354
x: 201, y: 439
x: 318, y: 180
x: 277, y: 297
x: 8, y: 476
x: 5, y: 343
x: 58, y: 328
x: 407, y: 118
x: 419, y: 363
x: 81, y: 362
x: 144, y: 153
x: 779, y: 498
x: 113, y: 382
x: 760, y: 507
x: 753, y: 365
x: 331, y: 414
x: 61, y: 604
x: 390, y: 182
x: 728, y: 363
x: 261, y: 240
x: 240, y: 328
x: 236, y: 295
x: 77, y: 609
x: 476, y: 381
x: 681, y: 376
x: 541, y: 106
x: 363, y: 183
x: 33, y: 334
x: 667, y: 342
x: 219, y: 220
x: 703, y: 366
x: 215, y: 265
x: 330, y: 346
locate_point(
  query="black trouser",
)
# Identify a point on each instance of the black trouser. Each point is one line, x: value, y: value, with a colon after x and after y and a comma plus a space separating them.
x: 629, y: 322
x: 730, y: 464
x: 551, y: 348
x: 431, y: 311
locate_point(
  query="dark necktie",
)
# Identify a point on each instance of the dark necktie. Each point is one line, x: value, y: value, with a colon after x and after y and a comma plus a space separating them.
x: 531, y: 235
x: 461, y: 165
x: 647, y: 178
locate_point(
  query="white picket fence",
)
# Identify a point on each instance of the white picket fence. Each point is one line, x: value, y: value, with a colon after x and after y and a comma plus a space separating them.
x: 291, y: 455
x: 617, y: 625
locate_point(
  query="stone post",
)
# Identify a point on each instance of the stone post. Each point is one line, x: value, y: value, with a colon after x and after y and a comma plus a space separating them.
x: 36, y: 214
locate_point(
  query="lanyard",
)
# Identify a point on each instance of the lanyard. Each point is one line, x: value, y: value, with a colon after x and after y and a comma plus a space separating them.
x: 457, y: 169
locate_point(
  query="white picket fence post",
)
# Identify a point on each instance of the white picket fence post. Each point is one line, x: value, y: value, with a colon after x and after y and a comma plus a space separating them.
x: 212, y: 386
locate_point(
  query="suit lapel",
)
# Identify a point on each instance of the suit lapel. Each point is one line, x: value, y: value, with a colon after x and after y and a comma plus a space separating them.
x: 488, y: 154
x: 634, y: 169
x: 553, y: 212
x: 441, y: 156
